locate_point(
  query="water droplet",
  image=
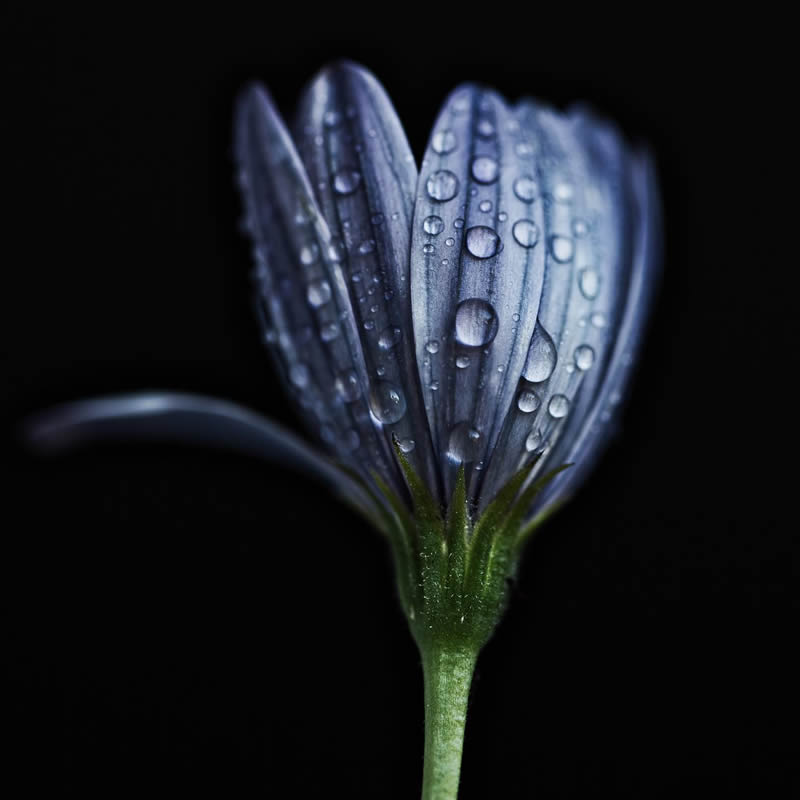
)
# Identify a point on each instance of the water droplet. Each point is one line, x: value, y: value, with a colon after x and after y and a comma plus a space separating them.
x: 387, y: 402
x: 526, y: 232
x: 346, y: 181
x: 331, y: 119
x: 485, y: 169
x: 558, y: 406
x: 428, y: 249
x: 476, y: 322
x: 369, y: 325
x: 444, y: 141
x: 584, y: 357
x: 485, y: 128
x: 432, y: 346
x: 366, y: 247
x: 377, y: 219
x: 434, y: 386
x: 527, y: 401
x: 433, y: 225
x: 562, y: 248
x: 579, y: 227
x: 589, y: 281
x: 563, y: 192
x: 329, y: 332
x: 309, y: 253
x: 542, y: 356
x: 534, y: 441
x: 463, y: 443
x: 449, y: 241
x: 482, y: 241
x: 458, y: 222
x: 462, y: 362
x: 598, y: 319
x: 502, y: 216
x: 335, y: 252
x: 299, y: 375
x: 406, y: 445
x: 389, y: 337
x: 442, y: 185
x: 347, y: 386
x: 485, y: 206
x: 524, y: 149
x: 526, y: 188
x: 318, y: 293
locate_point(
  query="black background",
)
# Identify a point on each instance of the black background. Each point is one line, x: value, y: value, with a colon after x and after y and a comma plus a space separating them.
x: 180, y: 620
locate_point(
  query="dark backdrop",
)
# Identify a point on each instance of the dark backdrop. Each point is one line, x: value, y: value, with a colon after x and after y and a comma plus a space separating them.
x: 179, y: 620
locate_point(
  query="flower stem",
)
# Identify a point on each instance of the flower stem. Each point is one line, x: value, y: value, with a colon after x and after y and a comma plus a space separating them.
x: 448, y: 675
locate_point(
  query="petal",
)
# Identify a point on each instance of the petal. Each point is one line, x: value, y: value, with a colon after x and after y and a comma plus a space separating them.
x: 477, y: 271
x: 586, y: 227
x: 301, y: 293
x: 364, y: 177
x: 194, y: 419
x: 596, y: 426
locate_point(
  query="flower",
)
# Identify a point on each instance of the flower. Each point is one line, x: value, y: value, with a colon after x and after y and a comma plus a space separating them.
x: 454, y: 337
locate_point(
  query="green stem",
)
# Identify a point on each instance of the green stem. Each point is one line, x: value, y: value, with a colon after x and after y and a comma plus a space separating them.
x: 448, y: 675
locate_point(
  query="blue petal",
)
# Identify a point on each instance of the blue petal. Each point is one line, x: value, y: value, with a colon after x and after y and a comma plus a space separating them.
x: 302, y: 293
x: 364, y: 178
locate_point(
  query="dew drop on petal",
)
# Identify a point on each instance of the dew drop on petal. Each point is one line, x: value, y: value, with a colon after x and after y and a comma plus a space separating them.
x: 463, y: 443
x: 482, y: 241
x: 476, y: 322
x: 442, y: 185
x: 387, y: 402
x: 329, y: 332
x: 584, y: 357
x: 563, y: 192
x: 526, y: 232
x: 331, y: 119
x: 299, y: 375
x: 428, y: 249
x: 458, y: 222
x: 462, y: 362
x: 485, y: 128
x: 406, y: 445
x: 444, y: 142
x: 432, y: 346
x: 433, y: 225
x: 558, y: 406
x: 309, y: 254
x: 485, y: 206
x: 527, y: 401
x: 589, y: 281
x: 542, y: 356
x: 366, y: 247
x: 389, y: 337
x: 318, y: 293
x: 526, y: 188
x: 534, y: 441
x: 579, y: 227
x: 485, y: 169
x: 449, y: 241
x: 562, y: 248
x: 346, y: 181
x: 347, y: 386
x: 598, y: 319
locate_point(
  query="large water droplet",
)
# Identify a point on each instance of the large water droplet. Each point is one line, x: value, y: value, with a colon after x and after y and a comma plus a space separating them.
x: 347, y: 386
x: 562, y: 248
x: 433, y: 225
x: 542, y: 356
x: 444, y: 141
x: 482, y: 241
x: 464, y: 443
x: 389, y: 337
x: 346, y: 181
x: 589, y: 281
x: 558, y: 406
x: 527, y: 401
x: 526, y: 188
x: 442, y: 185
x: 318, y: 293
x: 387, y: 402
x: 476, y: 322
x: 526, y: 232
x: 485, y: 169
x: 584, y: 357
x: 299, y: 375
x: 534, y: 441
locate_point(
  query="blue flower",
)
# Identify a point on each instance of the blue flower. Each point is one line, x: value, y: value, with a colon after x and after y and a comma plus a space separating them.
x: 454, y: 336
